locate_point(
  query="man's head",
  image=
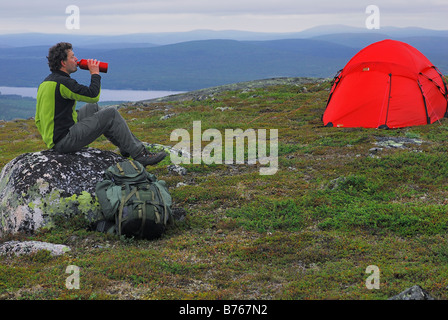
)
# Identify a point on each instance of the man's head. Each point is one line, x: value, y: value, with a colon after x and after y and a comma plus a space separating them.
x: 61, y: 57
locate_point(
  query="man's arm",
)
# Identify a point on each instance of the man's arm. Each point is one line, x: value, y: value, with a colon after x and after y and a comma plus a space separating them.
x: 72, y: 90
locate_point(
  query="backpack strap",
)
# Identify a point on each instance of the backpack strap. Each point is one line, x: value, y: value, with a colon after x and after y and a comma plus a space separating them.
x: 124, y: 199
x: 120, y: 168
x: 134, y: 165
x: 141, y: 213
x: 167, y: 212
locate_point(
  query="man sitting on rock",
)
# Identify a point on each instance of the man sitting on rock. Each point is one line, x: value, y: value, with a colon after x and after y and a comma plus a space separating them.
x: 66, y: 130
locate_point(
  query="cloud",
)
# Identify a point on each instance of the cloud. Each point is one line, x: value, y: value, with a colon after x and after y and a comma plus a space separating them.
x: 118, y: 16
x: 244, y: 7
x: 219, y: 7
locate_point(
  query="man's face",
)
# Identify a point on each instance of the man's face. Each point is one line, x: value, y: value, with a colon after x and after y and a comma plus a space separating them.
x: 70, y: 65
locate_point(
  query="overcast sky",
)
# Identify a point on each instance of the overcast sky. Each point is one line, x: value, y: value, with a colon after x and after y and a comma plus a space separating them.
x: 133, y: 16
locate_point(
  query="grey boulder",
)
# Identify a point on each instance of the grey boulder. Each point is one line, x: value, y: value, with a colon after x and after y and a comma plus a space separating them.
x: 38, y: 189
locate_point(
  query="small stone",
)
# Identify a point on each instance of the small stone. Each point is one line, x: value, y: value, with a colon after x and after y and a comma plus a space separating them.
x: 177, y: 169
x: 27, y: 247
x: 414, y: 293
x: 375, y: 150
x: 181, y: 184
x: 224, y: 108
x: 167, y: 116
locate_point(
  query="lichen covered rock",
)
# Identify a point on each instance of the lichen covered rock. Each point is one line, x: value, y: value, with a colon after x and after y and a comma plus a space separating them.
x: 28, y: 247
x: 37, y: 189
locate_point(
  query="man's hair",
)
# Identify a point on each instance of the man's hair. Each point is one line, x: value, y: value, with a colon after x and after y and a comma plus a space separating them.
x: 56, y: 54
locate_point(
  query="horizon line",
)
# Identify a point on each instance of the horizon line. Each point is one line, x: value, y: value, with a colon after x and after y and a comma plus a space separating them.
x: 77, y: 33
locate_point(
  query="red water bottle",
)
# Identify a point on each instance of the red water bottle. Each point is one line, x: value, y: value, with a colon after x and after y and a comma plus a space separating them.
x: 83, y: 65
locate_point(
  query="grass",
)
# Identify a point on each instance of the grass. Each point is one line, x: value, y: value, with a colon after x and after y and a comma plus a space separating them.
x: 308, y: 232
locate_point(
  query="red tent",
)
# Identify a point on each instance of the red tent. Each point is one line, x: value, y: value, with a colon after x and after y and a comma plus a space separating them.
x: 388, y: 84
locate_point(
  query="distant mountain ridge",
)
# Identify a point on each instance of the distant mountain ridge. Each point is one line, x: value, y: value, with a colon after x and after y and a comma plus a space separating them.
x: 204, y: 58
x: 164, y: 38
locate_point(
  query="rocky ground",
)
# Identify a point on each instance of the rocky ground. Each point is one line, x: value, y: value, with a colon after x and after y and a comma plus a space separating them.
x: 208, y: 93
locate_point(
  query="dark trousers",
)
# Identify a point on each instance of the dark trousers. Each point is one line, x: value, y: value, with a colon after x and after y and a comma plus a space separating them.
x: 94, y: 121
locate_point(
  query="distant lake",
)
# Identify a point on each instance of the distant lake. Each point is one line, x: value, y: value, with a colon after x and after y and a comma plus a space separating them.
x: 106, y: 94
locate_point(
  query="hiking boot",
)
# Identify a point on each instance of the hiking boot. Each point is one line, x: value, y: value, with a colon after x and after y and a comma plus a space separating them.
x: 147, y: 158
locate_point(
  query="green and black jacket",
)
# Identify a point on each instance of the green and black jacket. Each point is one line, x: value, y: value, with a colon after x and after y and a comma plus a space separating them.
x: 56, y: 104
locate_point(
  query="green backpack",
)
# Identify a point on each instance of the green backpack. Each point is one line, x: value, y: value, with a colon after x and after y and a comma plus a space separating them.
x: 133, y: 202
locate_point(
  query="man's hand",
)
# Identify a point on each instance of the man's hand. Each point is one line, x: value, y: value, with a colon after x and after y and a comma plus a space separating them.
x: 94, y: 66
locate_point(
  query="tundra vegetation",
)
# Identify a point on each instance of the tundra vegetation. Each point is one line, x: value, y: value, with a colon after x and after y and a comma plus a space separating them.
x: 342, y: 199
